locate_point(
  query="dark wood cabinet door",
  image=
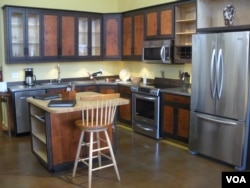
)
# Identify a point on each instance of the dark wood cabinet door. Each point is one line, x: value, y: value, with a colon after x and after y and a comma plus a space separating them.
x: 107, y: 89
x: 112, y: 36
x: 151, y: 24
x: 138, y: 35
x: 92, y: 88
x: 68, y: 29
x: 125, y: 111
x: 166, y: 23
x: 168, y: 119
x: 127, y: 36
x: 159, y: 22
x: 175, y: 116
x: 133, y: 35
x: 50, y: 34
x: 183, y: 122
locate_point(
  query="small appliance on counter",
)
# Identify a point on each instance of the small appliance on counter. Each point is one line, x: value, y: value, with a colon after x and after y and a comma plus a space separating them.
x: 30, y: 79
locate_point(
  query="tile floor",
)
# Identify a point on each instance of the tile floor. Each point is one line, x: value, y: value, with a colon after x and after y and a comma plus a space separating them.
x: 142, y: 162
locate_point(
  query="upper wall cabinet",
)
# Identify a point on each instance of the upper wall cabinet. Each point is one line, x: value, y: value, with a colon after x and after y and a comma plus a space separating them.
x: 133, y: 35
x: 59, y: 32
x: 23, y: 30
x: 72, y: 35
x: 210, y: 15
x: 35, y: 35
x: 185, y: 27
x: 112, y: 36
x: 159, y: 22
x: 89, y: 36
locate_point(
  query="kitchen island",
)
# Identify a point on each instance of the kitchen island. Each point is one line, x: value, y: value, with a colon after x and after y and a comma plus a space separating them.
x: 54, y: 137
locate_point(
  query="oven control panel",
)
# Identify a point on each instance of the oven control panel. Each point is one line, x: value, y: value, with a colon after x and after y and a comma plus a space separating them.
x: 145, y: 90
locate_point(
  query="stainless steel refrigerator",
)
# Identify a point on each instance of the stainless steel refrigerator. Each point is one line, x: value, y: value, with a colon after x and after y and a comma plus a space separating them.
x: 219, y: 123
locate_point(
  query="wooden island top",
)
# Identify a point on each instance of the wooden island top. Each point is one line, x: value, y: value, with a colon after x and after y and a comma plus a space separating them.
x: 43, y: 104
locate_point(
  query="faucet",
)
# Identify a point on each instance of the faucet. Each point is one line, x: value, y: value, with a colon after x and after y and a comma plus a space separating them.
x: 93, y: 75
x: 58, y: 73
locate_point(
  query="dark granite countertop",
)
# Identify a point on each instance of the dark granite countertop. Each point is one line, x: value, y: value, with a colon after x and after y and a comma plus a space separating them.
x: 177, y: 90
x: 23, y: 87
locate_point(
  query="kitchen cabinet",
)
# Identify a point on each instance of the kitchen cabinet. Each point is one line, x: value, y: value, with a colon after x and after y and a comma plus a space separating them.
x: 210, y: 15
x: 185, y: 27
x: 175, y: 116
x: 89, y: 36
x: 159, y: 22
x: 125, y: 111
x: 93, y: 88
x: 23, y: 30
x: 38, y: 35
x: 107, y: 89
x: 40, y: 142
x: 133, y: 35
x: 56, y: 90
x: 59, y: 35
x: 112, y: 36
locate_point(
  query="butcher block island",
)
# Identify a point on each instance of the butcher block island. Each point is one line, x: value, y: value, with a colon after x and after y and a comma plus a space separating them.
x: 54, y: 136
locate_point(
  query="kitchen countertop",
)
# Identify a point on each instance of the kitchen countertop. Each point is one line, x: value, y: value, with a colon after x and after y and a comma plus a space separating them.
x: 177, y: 90
x: 16, y: 88
x: 43, y: 104
x: 23, y: 87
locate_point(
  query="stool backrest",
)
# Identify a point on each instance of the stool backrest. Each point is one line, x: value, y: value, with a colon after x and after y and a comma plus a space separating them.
x: 99, y: 110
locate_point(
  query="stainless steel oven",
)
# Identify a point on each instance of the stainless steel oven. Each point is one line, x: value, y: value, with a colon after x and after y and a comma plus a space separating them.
x: 146, y: 111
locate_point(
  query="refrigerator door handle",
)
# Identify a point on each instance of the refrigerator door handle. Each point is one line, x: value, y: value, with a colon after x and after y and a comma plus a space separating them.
x: 212, y: 79
x: 216, y: 120
x: 219, y: 74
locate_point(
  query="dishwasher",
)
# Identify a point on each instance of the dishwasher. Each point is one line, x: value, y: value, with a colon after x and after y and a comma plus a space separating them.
x: 21, y: 117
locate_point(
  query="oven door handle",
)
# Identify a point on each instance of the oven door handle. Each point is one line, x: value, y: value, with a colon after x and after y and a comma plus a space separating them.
x: 145, y: 97
x: 144, y: 128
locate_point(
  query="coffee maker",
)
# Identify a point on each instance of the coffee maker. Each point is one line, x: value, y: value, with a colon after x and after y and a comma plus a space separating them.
x: 30, y: 79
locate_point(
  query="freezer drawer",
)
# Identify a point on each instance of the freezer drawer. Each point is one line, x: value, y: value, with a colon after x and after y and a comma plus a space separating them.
x: 218, y: 138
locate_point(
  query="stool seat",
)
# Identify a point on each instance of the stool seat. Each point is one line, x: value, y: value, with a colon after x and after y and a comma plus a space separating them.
x: 79, y: 124
x: 97, y: 116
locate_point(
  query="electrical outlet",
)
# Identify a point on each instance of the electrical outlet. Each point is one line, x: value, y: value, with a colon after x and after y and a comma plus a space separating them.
x: 14, y: 75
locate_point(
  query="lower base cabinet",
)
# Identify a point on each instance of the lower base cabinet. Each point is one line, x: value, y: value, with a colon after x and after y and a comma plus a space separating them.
x: 175, y: 116
x: 125, y: 111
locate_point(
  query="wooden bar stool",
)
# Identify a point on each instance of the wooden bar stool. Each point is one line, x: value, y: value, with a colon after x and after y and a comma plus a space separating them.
x: 98, y: 113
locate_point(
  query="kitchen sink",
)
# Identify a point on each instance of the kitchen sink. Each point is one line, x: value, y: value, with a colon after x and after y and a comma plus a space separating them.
x: 55, y: 84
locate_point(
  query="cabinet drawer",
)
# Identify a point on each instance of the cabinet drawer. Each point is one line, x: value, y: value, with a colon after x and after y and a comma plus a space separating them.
x: 176, y: 98
x: 123, y: 89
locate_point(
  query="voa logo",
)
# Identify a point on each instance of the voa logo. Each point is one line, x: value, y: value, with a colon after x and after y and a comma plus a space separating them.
x: 236, y: 179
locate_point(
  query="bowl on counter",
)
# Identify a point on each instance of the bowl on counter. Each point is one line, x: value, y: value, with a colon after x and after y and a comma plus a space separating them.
x: 135, y: 80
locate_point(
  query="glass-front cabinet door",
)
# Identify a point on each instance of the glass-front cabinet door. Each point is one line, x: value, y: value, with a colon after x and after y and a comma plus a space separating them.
x: 33, y: 34
x: 83, y: 36
x: 17, y: 34
x: 23, y: 34
x: 89, y: 36
x: 96, y: 37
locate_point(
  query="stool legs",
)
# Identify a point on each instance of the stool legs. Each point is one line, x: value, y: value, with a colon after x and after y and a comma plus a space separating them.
x: 77, y: 159
x: 91, y: 156
x: 112, y: 155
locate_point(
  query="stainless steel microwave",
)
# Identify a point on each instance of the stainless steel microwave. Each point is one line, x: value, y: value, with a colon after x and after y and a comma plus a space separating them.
x: 157, y: 51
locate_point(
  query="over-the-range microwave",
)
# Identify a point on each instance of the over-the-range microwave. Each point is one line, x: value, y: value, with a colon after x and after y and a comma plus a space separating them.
x: 157, y: 51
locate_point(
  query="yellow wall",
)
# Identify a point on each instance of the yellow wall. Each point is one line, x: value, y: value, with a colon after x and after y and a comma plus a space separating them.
x: 80, y: 69
x: 125, y: 5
